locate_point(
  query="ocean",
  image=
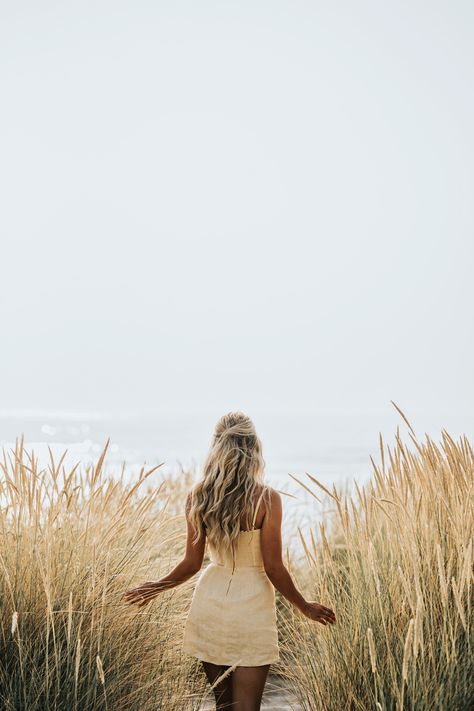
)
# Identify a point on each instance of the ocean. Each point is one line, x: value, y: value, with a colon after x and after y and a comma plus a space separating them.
x: 334, y: 447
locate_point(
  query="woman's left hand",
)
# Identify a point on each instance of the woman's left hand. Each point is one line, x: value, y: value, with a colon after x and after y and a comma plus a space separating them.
x: 142, y: 595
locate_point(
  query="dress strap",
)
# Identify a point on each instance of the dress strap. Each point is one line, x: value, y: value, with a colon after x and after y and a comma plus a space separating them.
x: 257, y: 507
x: 253, y: 527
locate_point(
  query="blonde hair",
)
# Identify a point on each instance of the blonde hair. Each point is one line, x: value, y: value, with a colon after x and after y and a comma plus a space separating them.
x: 232, y: 474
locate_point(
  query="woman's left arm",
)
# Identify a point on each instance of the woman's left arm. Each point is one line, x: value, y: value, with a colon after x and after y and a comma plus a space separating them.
x: 185, y: 569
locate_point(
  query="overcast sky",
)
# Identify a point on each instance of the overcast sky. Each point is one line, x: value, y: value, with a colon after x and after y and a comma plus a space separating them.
x: 253, y: 205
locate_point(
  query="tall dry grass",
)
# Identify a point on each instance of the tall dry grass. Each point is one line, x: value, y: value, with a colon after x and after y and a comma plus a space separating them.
x: 395, y: 561
x: 71, y: 542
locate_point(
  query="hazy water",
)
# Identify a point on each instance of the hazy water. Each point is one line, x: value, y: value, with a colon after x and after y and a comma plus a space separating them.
x: 335, y: 448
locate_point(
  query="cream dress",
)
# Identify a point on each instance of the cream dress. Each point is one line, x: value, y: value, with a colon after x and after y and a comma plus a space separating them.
x: 232, y: 616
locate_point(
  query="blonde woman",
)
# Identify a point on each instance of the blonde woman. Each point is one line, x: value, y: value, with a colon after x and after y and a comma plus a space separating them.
x: 232, y: 616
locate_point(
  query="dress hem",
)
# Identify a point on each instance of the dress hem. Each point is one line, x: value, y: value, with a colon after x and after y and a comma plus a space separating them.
x: 241, y: 662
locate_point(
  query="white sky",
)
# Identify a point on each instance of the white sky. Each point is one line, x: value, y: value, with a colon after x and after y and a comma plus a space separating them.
x: 253, y: 205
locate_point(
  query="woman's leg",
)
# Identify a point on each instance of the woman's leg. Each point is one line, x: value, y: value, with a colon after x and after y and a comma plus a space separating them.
x: 247, y: 687
x: 223, y: 690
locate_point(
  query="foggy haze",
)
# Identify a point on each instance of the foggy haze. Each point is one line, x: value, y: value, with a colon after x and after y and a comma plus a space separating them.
x: 257, y: 206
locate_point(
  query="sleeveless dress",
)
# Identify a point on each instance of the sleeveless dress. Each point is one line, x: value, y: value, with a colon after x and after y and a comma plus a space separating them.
x: 232, y: 617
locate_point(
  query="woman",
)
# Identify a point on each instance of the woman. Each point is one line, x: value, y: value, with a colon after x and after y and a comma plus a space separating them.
x: 232, y: 616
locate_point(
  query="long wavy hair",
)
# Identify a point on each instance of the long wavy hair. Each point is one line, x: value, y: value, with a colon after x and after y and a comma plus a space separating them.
x: 232, y: 474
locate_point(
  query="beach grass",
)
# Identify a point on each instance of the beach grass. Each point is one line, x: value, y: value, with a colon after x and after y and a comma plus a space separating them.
x: 71, y: 542
x: 393, y: 558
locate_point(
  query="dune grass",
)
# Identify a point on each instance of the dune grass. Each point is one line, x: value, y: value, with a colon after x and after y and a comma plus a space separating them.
x: 71, y: 542
x: 395, y: 561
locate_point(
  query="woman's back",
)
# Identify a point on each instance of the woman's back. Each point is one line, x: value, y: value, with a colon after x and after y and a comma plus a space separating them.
x: 232, y: 617
x: 248, y: 552
x: 247, y: 546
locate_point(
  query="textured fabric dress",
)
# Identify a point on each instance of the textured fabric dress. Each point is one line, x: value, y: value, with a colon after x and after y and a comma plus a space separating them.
x: 232, y: 616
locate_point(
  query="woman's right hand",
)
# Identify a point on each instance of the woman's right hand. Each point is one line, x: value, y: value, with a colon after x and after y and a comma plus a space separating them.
x: 319, y: 613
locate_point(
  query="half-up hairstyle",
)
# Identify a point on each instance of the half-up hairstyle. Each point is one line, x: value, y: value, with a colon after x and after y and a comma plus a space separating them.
x: 232, y: 474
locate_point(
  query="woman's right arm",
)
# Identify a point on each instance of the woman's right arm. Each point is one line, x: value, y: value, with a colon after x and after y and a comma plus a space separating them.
x: 276, y: 569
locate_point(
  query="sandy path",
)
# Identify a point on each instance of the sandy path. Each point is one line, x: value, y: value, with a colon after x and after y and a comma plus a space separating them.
x: 275, y: 698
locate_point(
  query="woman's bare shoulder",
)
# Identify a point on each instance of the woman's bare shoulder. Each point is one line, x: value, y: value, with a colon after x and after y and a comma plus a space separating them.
x: 273, y: 496
x: 189, y: 499
x: 264, y: 491
x: 267, y: 487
